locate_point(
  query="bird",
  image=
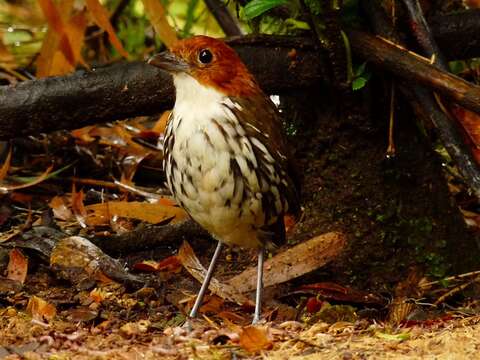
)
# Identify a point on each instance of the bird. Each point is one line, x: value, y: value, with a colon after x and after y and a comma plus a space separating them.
x: 226, y: 158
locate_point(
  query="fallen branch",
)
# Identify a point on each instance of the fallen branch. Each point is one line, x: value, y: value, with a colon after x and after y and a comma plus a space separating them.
x: 123, y: 90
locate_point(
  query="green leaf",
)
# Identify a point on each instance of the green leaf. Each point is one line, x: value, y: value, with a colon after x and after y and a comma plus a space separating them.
x: 258, y: 7
x: 358, y: 83
x: 393, y: 337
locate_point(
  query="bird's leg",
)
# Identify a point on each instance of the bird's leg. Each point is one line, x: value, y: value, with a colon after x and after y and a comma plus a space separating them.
x: 258, y: 297
x: 206, y: 281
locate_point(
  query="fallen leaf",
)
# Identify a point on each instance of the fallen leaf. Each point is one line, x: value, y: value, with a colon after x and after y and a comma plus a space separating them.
x: 60, y: 208
x: 161, y: 123
x: 17, y: 266
x: 101, y: 18
x: 254, y: 339
x: 82, y: 263
x: 82, y: 313
x: 40, y: 310
x: 158, y: 17
x: 191, y: 263
x: 78, y: 207
x: 393, y: 337
x: 6, y: 58
x: 292, y: 263
x: 337, y: 292
x: 170, y: 264
x: 153, y: 213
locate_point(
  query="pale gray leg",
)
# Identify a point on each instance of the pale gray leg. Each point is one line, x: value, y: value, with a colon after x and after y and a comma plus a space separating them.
x: 258, y: 297
x: 206, y: 281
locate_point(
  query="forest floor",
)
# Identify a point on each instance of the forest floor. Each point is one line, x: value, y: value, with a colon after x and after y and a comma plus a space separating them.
x: 27, y: 339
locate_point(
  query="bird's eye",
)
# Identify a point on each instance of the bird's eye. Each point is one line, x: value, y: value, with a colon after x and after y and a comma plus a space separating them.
x: 205, y: 56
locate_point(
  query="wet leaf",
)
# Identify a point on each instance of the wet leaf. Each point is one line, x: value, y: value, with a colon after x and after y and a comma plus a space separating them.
x: 101, y: 18
x: 17, y: 266
x: 152, y: 213
x: 158, y: 17
x: 41, y: 310
x: 255, y: 338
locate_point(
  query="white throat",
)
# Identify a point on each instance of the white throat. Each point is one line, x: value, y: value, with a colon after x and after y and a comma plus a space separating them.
x: 193, y: 94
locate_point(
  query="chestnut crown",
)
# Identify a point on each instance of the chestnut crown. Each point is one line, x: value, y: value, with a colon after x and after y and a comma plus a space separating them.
x: 211, y: 62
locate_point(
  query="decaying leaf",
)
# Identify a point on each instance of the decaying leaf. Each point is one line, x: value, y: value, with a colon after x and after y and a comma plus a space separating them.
x: 78, y: 207
x: 153, y: 213
x: 255, y: 338
x: 17, y: 266
x: 292, y: 263
x: 83, y: 264
x: 191, y: 263
x: 41, y: 310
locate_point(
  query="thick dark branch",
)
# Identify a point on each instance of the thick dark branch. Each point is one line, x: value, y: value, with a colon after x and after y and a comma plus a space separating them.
x: 404, y: 64
x: 224, y: 18
x: 123, y: 90
x: 427, y: 109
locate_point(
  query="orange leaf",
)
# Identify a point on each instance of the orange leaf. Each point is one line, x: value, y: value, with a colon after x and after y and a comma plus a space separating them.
x: 55, y: 21
x: 171, y: 264
x: 152, y: 213
x: 161, y: 123
x: 17, y: 266
x: 6, y: 165
x: 7, y: 188
x: 253, y: 339
x: 158, y: 17
x: 78, y: 207
x: 101, y: 18
x: 40, y: 310
x: 60, y: 209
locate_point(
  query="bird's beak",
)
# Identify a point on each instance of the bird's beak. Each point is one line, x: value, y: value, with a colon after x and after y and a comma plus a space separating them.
x: 169, y: 62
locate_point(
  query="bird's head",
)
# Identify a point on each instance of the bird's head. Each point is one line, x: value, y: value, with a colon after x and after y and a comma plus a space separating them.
x: 211, y: 62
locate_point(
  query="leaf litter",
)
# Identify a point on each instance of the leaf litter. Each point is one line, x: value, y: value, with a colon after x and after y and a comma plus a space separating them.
x: 62, y: 295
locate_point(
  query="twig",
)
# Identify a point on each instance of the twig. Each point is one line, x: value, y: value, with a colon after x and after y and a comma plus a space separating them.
x: 224, y: 18
x: 422, y: 33
x: 426, y: 108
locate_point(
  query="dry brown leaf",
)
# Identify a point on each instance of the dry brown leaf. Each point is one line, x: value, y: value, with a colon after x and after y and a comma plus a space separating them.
x: 152, y: 213
x: 6, y: 165
x: 17, y: 266
x: 292, y: 263
x: 191, y: 263
x: 38, y: 180
x: 101, y: 18
x: 170, y: 264
x: 60, y: 208
x: 255, y: 338
x: 41, y: 310
x: 471, y: 123
x: 158, y: 17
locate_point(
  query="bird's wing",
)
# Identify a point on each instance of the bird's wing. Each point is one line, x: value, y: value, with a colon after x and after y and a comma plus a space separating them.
x: 261, y: 121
